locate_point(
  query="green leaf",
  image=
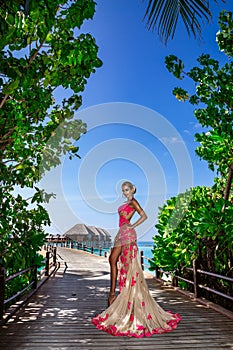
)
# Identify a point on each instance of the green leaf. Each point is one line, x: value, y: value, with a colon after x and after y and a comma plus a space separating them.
x: 9, y: 88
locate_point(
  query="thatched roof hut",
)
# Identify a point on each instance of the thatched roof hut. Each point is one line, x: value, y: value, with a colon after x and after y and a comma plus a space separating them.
x: 90, y: 235
x: 87, y: 235
x: 106, y: 237
x: 104, y: 233
x: 79, y: 233
x: 95, y: 232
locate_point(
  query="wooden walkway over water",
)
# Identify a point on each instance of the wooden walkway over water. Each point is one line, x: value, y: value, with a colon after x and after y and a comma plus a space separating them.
x: 58, y: 316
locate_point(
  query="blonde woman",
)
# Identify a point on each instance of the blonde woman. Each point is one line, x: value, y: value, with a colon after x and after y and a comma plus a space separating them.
x: 134, y: 312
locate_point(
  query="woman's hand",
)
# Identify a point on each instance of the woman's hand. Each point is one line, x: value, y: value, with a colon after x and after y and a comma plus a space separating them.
x: 130, y: 226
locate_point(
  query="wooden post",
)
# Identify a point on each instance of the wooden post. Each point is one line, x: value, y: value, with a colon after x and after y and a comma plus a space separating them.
x: 35, y: 277
x: 175, y: 280
x: 54, y: 256
x: 195, y: 279
x: 157, y: 273
x: 2, y: 290
x: 47, y: 264
x: 142, y: 260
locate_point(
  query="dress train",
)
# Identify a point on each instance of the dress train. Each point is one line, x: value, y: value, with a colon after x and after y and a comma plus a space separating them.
x: 134, y: 313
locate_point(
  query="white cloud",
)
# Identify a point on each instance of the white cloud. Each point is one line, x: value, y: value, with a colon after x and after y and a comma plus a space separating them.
x: 195, y: 125
x: 171, y: 140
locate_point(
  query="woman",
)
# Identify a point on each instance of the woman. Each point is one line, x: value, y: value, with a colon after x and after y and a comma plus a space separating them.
x: 133, y: 312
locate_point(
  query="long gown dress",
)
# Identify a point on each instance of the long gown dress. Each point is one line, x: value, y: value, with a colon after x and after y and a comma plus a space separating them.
x: 134, y: 313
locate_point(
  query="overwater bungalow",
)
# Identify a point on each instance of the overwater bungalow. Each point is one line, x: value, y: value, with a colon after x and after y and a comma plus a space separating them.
x: 89, y: 236
x: 106, y: 237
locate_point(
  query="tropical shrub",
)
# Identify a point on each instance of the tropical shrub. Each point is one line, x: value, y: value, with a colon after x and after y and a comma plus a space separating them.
x: 42, y: 50
x: 198, y: 224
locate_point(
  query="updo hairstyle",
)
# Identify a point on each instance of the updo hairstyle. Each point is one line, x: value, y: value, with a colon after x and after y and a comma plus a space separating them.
x: 131, y: 186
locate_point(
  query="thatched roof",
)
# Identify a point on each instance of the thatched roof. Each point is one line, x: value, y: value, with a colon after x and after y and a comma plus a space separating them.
x: 100, y: 233
x: 105, y: 233
x: 94, y: 231
x: 79, y: 232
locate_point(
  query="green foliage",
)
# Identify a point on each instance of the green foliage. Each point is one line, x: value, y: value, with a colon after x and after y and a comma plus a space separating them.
x: 192, y: 225
x: 41, y: 50
x: 174, y: 65
x: 173, y: 246
x: 198, y: 223
x: 21, y: 231
x: 17, y: 284
x: 214, y: 90
x: 225, y: 35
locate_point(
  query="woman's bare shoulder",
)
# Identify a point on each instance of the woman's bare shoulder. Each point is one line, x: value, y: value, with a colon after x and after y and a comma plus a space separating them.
x: 134, y: 201
x: 136, y: 205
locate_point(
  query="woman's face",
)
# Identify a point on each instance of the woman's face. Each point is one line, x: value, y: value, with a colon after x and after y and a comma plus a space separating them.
x: 127, y: 192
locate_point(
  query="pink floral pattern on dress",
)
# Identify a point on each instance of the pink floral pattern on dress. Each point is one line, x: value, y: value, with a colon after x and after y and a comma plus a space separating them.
x: 140, y: 328
x: 133, y: 282
x: 131, y: 318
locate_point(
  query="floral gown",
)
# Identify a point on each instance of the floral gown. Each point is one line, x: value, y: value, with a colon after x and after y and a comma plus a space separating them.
x: 134, y: 313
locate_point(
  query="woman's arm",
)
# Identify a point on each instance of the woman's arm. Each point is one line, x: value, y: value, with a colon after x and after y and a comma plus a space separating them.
x: 140, y: 211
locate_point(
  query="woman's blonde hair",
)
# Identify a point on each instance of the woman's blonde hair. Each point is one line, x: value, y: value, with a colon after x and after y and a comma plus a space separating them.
x: 131, y: 186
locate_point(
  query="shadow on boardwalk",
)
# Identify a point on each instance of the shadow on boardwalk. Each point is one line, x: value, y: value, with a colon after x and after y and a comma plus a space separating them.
x: 58, y: 316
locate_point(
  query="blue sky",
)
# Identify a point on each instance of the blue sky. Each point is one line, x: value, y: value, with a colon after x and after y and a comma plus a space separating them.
x: 137, y: 130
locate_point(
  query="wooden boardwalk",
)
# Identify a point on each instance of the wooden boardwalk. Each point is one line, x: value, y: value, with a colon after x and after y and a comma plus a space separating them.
x: 58, y: 316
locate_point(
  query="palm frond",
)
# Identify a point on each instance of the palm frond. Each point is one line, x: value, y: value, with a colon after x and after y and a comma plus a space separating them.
x: 163, y: 15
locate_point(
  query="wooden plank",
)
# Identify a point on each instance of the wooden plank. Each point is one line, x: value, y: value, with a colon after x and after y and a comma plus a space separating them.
x: 59, y: 315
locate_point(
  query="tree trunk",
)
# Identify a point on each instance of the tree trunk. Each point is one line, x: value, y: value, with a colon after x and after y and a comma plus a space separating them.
x: 228, y: 186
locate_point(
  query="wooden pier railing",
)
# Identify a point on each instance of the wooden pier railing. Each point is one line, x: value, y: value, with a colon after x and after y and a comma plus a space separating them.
x: 101, y: 251
x: 20, y: 296
x: 50, y: 260
x: 195, y: 282
x: 92, y: 250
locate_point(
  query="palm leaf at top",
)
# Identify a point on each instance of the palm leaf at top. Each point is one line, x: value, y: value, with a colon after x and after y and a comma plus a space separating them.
x: 163, y: 15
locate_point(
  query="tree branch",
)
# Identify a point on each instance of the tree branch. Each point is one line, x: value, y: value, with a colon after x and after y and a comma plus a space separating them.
x: 36, y: 52
x: 228, y: 186
x: 3, y: 100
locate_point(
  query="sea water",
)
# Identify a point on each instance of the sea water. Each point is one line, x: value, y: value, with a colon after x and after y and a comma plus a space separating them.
x: 144, y: 246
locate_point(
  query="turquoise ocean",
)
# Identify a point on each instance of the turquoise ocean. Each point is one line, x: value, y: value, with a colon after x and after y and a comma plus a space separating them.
x: 146, y: 247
